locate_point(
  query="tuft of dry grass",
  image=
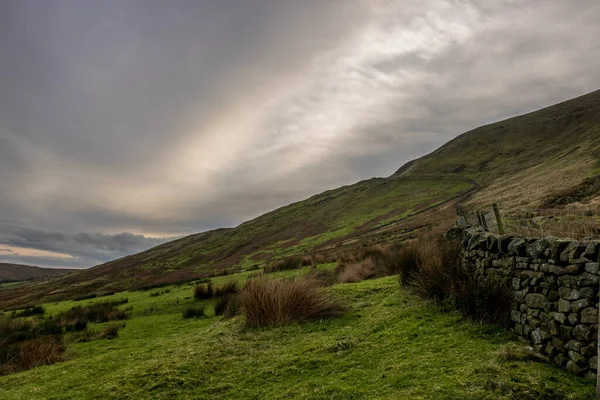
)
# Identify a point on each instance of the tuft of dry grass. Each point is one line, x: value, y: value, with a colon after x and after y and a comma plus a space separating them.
x: 267, y: 302
x: 357, y: 272
x: 20, y: 356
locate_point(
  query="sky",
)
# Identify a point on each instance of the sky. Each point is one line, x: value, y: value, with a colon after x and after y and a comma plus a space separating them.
x: 124, y: 123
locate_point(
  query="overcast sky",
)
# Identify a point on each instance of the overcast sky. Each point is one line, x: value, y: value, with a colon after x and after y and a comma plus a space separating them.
x: 123, y: 122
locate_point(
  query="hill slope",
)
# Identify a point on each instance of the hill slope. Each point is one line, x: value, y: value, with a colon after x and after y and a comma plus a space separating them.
x: 18, y: 272
x: 519, y: 161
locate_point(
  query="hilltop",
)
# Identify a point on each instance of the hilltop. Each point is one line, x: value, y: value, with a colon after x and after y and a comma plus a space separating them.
x: 521, y: 161
x: 18, y: 272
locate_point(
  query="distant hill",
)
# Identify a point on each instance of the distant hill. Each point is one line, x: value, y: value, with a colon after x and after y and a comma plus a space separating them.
x: 521, y: 161
x: 18, y: 272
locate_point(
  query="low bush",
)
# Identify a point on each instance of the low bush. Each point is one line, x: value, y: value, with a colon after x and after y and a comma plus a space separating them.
x: 28, y: 312
x: 110, y: 331
x: 402, y: 260
x: 267, y: 302
x: 326, y: 277
x: 288, y: 264
x: 228, y: 306
x: 357, y: 272
x: 193, y: 312
x: 27, y: 354
x: 85, y: 297
x: 443, y: 278
x: 210, y: 291
x: 76, y: 318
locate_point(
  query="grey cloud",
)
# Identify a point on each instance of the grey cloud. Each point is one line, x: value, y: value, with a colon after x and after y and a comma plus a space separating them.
x: 174, y: 118
x: 85, y: 249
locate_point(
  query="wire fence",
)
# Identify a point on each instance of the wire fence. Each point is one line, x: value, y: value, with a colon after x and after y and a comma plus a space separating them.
x: 580, y: 224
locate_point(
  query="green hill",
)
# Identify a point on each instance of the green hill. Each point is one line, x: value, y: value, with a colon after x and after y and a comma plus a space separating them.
x: 519, y: 161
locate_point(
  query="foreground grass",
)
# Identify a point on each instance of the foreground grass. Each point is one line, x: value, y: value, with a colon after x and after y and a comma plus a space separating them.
x: 392, y: 345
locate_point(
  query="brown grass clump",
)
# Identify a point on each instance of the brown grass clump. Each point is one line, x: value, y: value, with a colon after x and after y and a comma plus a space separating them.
x: 357, y: 272
x: 20, y: 356
x: 443, y: 278
x: 111, y: 331
x: 205, y: 291
x: 267, y: 302
x: 402, y: 260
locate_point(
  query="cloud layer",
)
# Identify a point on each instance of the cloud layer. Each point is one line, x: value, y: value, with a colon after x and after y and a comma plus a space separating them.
x: 164, y: 119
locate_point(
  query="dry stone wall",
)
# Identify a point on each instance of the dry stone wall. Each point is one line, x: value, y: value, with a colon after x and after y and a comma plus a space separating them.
x: 555, y: 287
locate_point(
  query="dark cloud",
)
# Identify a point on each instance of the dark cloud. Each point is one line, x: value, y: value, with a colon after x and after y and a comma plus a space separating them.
x: 73, y: 250
x: 166, y: 118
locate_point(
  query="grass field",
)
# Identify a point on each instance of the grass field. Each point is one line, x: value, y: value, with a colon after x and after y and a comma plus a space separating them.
x: 391, y: 345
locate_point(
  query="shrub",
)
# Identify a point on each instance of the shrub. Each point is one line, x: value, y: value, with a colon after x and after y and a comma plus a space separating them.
x: 193, y: 312
x: 203, y: 291
x: 228, y: 288
x: 85, y: 297
x: 110, y: 331
x: 280, y: 301
x: 443, y: 278
x: 357, y: 272
x: 398, y: 260
x: 209, y: 291
x: 326, y: 277
x: 20, y: 356
x: 287, y: 264
x: 228, y: 306
x: 29, y: 311
x: 76, y: 318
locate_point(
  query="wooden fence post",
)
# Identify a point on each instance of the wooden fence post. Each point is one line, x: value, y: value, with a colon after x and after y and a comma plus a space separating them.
x: 498, y: 219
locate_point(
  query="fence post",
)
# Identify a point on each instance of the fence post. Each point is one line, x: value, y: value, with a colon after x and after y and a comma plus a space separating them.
x: 498, y: 219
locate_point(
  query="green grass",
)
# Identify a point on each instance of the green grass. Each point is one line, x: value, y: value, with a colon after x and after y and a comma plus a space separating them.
x: 390, y: 345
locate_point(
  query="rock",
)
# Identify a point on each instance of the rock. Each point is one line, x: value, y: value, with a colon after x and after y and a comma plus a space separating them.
x: 578, y: 358
x: 592, y: 268
x: 560, y: 360
x: 582, y: 332
x: 557, y: 248
x: 515, y: 316
x: 579, y: 304
x: 558, y: 343
x: 594, y: 362
x: 574, y: 345
x: 573, y: 252
x: 569, y: 281
x: 587, y: 279
x: 560, y: 317
x: 554, y: 327
x: 517, y: 247
x: 587, y: 292
x: 552, y: 295
x: 516, y: 283
x: 590, y: 375
x: 537, y: 249
x: 564, y: 306
x: 538, y: 336
x: 571, y: 269
x: 589, y: 350
x: 536, y: 300
x: 519, y: 329
x: 589, y: 315
x: 573, y: 319
x: 573, y: 367
x: 519, y: 295
x: 566, y: 332
x: 550, y: 350
x: 565, y: 292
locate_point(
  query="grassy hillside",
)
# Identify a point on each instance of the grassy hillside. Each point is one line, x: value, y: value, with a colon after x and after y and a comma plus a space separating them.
x: 17, y: 272
x: 518, y: 162
x: 390, y: 344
